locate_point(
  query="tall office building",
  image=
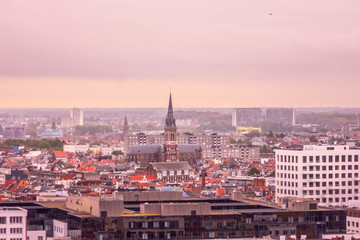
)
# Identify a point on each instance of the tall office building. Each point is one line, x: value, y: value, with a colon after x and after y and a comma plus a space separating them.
x: 246, y: 117
x: 78, y: 116
x: 328, y: 174
x: 284, y: 116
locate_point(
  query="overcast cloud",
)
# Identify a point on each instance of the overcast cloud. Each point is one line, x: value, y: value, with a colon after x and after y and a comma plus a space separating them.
x: 246, y: 49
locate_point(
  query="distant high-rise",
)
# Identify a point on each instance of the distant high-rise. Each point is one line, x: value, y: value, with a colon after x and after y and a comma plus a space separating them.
x: 78, y: 116
x: 246, y: 117
x: 126, y: 131
x: 284, y: 116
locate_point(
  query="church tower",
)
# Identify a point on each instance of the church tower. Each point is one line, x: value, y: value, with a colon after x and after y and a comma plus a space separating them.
x: 126, y: 131
x: 170, y: 136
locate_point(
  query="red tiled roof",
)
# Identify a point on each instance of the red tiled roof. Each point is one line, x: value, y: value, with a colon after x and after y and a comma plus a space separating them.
x: 59, y: 154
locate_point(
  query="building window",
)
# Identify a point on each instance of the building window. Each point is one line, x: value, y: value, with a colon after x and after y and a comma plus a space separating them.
x: 15, y: 219
x: 2, y: 220
x: 304, y: 159
x: 15, y: 230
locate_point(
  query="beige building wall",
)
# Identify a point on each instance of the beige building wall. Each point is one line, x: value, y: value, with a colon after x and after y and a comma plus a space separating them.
x: 151, y: 196
x: 112, y: 207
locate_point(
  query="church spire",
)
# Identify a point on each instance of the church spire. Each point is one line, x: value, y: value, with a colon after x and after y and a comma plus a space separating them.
x: 170, y: 120
x: 126, y: 125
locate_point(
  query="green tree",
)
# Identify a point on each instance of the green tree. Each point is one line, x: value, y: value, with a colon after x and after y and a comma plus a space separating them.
x: 270, y: 135
x: 232, y: 141
x: 272, y: 174
x: 253, y: 133
x: 265, y: 149
x: 117, y: 153
x: 253, y: 171
x: 313, y: 139
x: 44, y: 144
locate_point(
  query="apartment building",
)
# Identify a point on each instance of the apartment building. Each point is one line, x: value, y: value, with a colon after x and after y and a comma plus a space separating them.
x: 246, y: 117
x: 328, y: 174
x: 284, y: 116
x: 233, y: 151
x: 12, y: 223
x: 78, y: 115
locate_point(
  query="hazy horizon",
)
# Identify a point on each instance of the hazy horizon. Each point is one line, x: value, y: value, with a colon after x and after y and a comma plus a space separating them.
x: 213, y: 54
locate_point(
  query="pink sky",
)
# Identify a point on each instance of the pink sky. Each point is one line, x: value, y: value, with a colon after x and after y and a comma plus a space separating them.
x: 213, y: 53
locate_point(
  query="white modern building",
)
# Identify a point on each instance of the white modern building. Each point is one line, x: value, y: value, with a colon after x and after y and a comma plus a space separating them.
x: 328, y: 174
x: 12, y: 223
x: 78, y: 115
x: 353, y: 217
x: 60, y: 231
x: 76, y: 148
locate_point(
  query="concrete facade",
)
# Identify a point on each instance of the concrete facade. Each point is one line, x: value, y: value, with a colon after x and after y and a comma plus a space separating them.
x: 97, y: 206
x: 12, y: 223
x: 328, y: 174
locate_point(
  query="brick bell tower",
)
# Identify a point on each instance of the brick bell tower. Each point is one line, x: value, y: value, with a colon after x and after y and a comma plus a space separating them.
x: 170, y: 136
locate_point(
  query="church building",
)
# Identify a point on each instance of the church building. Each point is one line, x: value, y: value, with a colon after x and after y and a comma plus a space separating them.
x: 170, y: 150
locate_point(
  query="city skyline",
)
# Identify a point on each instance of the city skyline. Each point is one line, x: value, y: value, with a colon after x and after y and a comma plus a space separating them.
x: 127, y: 54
